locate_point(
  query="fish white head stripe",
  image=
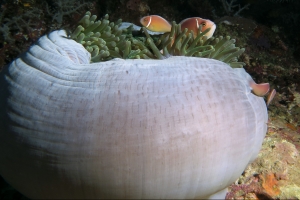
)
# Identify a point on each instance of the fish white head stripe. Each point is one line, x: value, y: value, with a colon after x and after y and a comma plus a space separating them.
x: 149, y: 22
x: 197, y: 23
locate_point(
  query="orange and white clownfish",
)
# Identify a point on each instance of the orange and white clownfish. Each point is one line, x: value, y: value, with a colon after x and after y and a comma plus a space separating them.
x: 259, y: 89
x: 156, y: 23
x: 194, y: 23
x: 262, y: 89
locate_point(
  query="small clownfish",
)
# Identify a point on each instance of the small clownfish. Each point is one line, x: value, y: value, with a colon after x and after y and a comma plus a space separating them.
x: 259, y: 89
x: 194, y: 23
x: 262, y: 89
x: 156, y: 23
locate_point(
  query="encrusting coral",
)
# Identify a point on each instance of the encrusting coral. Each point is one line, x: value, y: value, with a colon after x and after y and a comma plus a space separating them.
x: 105, y: 41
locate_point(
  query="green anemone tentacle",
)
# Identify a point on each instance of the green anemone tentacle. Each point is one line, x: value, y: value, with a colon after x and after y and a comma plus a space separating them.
x: 105, y: 41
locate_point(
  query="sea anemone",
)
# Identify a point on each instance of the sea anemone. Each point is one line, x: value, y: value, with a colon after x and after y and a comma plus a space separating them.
x: 105, y: 41
x: 158, y: 127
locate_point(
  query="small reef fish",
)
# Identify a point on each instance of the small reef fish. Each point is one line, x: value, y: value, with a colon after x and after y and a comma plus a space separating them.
x: 192, y: 24
x: 260, y: 89
x: 158, y: 24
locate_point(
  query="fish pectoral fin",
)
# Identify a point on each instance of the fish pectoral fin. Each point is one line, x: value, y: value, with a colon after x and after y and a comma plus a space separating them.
x: 271, y: 96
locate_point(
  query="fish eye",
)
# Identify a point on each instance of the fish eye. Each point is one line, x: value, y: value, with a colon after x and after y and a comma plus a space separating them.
x: 203, y: 24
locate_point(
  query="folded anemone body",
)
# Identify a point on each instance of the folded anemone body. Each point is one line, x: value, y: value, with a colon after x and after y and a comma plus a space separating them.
x: 176, y: 128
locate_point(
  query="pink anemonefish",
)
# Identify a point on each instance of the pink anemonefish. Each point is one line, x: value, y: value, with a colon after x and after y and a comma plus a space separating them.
x: 192, y: 24
x: 156, y: 23
x: 159, y: 24
x: 260, y: 89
